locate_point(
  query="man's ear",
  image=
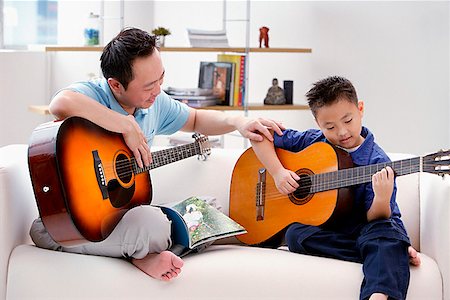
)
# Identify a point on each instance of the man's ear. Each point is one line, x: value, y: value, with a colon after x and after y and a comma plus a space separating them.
x: 115, y: 85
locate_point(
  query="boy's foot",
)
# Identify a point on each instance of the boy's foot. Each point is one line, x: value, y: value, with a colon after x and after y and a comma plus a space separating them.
x: 163, y: 266
x: 414, y: 257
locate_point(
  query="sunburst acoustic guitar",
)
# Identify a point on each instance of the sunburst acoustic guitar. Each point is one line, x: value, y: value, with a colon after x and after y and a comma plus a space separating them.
x: 85, y: 178
x: 326, y: 176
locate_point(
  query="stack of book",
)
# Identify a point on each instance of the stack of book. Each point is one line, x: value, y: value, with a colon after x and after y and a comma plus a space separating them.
x: 220, y: 82
x: 238, y: 86
x: 194, y: 97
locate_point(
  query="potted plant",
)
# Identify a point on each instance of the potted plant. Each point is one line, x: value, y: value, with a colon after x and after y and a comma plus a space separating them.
x: 160, y: 33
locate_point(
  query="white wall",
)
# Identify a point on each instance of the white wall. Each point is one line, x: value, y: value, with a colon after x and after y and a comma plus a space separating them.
x: 396, y: 54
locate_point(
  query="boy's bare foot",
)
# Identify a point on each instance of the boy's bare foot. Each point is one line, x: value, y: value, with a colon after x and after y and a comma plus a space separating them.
x: 414, y: 257
x: 163, y: 266
x: 378, y: 296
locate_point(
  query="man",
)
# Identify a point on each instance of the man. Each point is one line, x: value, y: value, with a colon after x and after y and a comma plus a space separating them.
x: 129, y: 100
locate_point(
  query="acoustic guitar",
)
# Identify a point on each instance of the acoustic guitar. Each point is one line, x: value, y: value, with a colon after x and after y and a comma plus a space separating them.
x: 85, y: 178
x: 326, y: 177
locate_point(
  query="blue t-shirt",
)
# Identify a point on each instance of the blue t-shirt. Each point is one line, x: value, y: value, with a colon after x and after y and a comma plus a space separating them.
x: 367, y: 154
x: 165, y: 116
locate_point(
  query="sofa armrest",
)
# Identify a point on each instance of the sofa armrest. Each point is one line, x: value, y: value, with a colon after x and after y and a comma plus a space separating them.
x: 17, y: 204
x: 435, y: 223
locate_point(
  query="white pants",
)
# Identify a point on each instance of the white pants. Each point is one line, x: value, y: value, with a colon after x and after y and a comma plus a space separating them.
x: 142, y: 230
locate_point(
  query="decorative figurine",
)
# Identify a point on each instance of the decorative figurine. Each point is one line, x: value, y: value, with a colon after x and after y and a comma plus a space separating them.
x: 275, y: 94
x: 264, y: 36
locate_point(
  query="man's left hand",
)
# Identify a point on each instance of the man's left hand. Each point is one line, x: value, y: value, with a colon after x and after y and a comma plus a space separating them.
x: 257, y: 129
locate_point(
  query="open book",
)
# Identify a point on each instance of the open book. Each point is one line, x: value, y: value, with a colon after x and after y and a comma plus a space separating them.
x: 195, y: 222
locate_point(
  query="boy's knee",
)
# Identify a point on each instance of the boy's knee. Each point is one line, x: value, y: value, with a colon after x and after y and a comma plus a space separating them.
x: 295, y: 234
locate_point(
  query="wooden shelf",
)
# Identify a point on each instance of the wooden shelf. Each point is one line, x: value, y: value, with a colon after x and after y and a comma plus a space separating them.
x: 184, y: 49
x: 43, y: 109
x: 259, y: 107
x: 39, y: 109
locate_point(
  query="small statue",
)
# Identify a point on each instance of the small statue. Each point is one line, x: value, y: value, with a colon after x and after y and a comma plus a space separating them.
x: 275, y: 94
x: 264, y: 36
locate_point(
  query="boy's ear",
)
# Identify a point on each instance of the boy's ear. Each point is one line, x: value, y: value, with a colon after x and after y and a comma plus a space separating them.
x: 361, y: 107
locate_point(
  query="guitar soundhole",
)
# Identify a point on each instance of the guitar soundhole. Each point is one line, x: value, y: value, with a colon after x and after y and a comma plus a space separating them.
x: 303, y: 194
x: 123, y: 168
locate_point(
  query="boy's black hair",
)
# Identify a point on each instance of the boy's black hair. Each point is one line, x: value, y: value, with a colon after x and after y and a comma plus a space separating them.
x: 119, y: 54
x: 328, y: 90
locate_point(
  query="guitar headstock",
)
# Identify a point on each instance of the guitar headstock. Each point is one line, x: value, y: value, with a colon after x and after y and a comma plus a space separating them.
x: 204, y: 146
x: 437, y: 163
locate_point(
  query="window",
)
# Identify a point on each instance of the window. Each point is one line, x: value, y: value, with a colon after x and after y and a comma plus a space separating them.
x: 28, y: 22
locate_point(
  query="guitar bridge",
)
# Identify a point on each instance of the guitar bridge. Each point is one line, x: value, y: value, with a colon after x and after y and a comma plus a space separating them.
x: 261, y: 194
x: 100, y: 175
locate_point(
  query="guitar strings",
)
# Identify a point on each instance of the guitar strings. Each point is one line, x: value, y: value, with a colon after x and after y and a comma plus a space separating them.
x: 325, y: 186
x: 128, y: 166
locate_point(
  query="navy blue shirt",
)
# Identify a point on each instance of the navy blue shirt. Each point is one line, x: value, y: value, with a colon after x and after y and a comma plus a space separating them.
x: 367, y: 154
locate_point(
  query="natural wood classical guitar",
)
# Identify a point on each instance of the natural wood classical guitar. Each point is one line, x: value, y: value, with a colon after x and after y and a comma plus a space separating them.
x: 85, y: 177
x: 326, y: 175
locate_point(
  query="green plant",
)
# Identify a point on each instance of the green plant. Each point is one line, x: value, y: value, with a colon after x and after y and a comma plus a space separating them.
x: 161, y: 31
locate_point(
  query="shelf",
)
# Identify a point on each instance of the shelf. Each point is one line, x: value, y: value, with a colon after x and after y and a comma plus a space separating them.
x: 259, y: 107
x: 43, y: 109
x: 184, y: 49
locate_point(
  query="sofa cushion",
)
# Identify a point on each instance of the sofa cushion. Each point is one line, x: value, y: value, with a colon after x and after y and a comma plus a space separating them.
x: 220, y: 272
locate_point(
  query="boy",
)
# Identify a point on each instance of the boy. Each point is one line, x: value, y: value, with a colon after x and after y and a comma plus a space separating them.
x: 374, y: 233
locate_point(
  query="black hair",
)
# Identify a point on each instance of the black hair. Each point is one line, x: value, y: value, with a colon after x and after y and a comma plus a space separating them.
x: 120, y: 53
x: 329, y: 90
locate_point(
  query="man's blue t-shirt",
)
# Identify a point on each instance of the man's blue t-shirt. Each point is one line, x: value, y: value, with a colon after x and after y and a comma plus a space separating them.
x: 165, y: 116
x: 367, y: 154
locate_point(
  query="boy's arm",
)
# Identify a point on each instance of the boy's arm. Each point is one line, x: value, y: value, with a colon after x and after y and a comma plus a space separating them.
x: 383, y: 187
x: 69, y: 103
x: 285, y: 180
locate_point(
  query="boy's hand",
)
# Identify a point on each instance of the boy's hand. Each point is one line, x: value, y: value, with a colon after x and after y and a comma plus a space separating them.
x: 286, y: 181
x: 383, y: 183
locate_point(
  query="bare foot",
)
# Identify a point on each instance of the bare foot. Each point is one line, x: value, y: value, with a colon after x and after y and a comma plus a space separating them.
x: 163, y: 266
x: 378, y: 296
x: 414, y: 257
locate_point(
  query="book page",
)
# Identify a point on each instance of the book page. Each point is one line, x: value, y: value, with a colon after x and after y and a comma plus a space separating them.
x: 205, y: 223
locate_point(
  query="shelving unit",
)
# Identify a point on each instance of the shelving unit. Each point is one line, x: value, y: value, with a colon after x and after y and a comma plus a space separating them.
x: 43, y: 109
x: 184, y: 49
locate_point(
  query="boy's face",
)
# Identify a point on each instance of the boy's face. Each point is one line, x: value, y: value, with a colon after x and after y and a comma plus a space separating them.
x: 341, y: 123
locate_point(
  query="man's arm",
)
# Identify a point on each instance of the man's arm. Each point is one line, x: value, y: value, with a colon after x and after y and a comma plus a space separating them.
x: 69, y: 103
x: 212, y: 122
x: 285, y: 180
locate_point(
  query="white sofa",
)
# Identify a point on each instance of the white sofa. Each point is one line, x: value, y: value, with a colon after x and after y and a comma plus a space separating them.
x: 228, y: 271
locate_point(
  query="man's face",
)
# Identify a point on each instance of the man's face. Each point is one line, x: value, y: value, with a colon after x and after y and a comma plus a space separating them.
x: 142, y: 91
x: 341, y: 123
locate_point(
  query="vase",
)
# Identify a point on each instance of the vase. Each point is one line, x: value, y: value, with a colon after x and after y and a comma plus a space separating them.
x: 160, y: 39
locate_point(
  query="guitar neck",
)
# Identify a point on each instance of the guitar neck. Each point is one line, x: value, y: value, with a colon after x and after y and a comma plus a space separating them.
x: 167, y: 156
x: 358, y: 175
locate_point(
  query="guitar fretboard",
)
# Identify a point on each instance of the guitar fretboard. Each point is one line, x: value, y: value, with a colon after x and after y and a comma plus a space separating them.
x: 167, y: 156
x: 358, y: 175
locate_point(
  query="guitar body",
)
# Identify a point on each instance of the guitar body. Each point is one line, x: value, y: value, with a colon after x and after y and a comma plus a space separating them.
x: 83, y: 180
x: 257, y: 205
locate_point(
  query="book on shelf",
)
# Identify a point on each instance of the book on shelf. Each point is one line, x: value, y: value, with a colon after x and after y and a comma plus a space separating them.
x: 195, y: 222
x: 239, y: 75
x: 218, y: 76
x: 197, y: 101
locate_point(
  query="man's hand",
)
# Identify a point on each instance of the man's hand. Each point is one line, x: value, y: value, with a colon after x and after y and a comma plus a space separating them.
x: 259, y: 128
x: 137, y: 142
